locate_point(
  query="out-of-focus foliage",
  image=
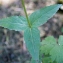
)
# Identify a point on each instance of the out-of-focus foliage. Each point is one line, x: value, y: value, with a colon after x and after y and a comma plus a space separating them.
x: 53, y: 49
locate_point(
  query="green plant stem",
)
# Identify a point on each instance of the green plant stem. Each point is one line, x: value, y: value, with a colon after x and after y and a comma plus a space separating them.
x: 26, y: 14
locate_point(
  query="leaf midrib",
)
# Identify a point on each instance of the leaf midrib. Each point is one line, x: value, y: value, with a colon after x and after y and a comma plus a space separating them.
x: 32, y: 39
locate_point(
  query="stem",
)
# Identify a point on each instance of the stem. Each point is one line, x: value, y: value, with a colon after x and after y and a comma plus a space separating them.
x: 26, y: 14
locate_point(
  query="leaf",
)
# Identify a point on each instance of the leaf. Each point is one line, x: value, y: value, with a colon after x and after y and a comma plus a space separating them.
x: 57, y: 51
x: 47, y: 60
x: 41, y: 16
x: 16, y: 23
x: 47, y: 44
x: 34, y: 61
x: 57, y: 54
x: 32, y: 40
x: 56, y: 48
x: 60, y: 40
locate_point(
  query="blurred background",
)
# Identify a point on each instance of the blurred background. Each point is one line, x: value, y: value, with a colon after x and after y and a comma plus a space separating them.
x: 12, y: 46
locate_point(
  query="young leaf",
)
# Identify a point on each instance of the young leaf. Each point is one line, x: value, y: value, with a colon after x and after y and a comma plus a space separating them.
x: 54, y: 49
x: 32, y: 39
x: 16, y: 23
x: 41, y: 16
x: 47, y: 60
x: 57, y: 51
x: 57, y: 54
x: 47, y: 44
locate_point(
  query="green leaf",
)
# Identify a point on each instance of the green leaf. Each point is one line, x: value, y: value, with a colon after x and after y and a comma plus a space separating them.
x: 32, y: 40
x: 34, y: 61
x: 60, y: 40
x: 16, y: 23
x: 53, y: 48
x: 47, y: 44
x: 41, y: 16
x: 57, y: 54
x: 62, y: 29
x: 47, y: 60
x: 57, y: 51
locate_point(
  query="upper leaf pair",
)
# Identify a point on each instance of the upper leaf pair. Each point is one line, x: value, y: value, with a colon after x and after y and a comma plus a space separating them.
x: 36, y: 19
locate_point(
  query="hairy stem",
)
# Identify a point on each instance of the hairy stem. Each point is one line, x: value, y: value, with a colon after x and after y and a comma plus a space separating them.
x: 26, y: 14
